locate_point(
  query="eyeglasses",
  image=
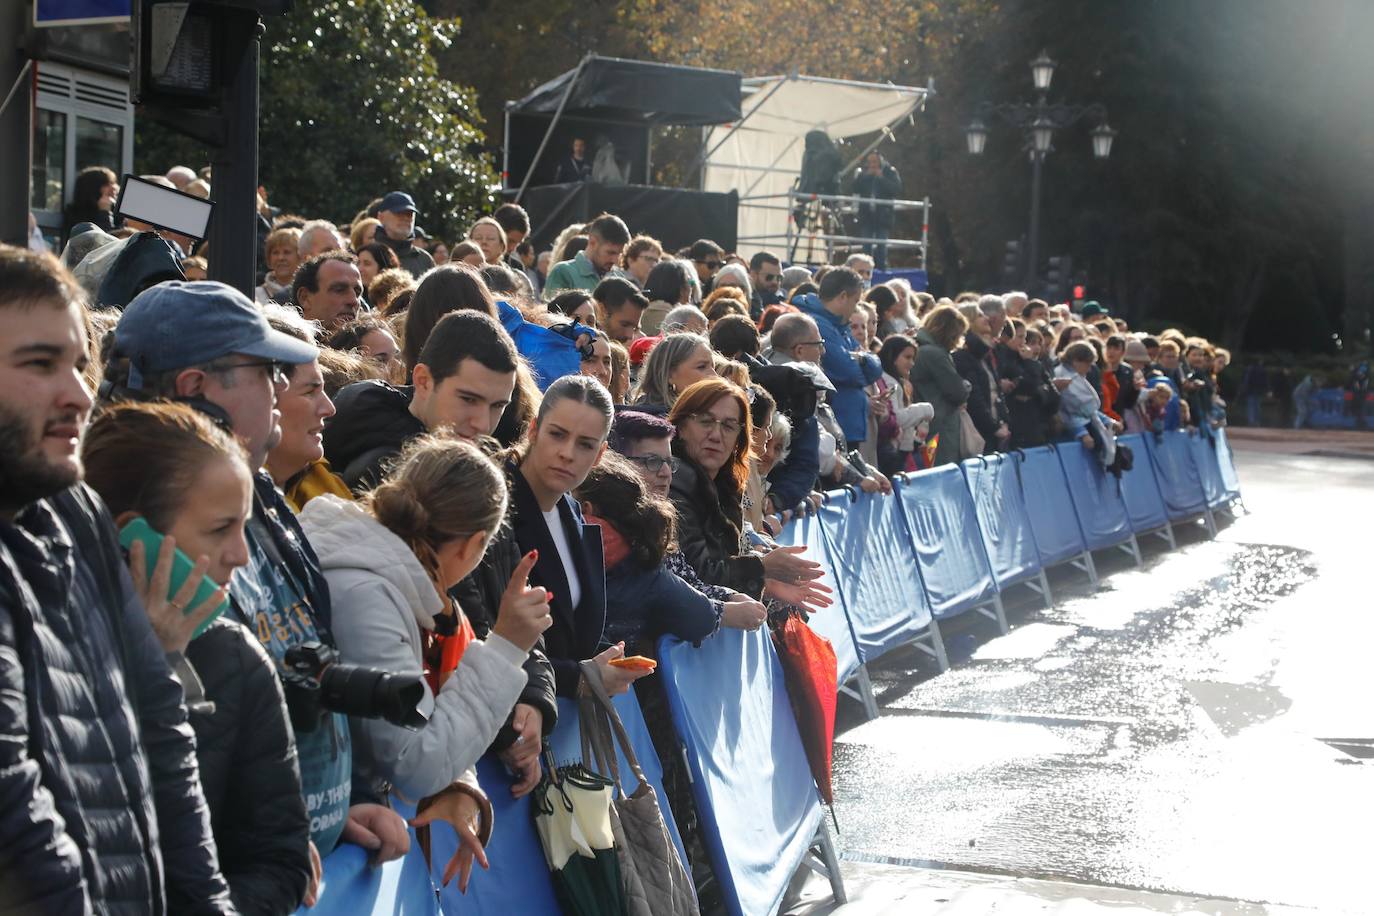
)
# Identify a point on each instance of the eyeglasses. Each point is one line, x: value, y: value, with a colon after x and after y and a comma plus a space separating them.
x: 812, y: 343
x: 651, y: 258
x: 654, y: 463
x: 276, y: 371
x: 711, y: 265
x: 728, y: 428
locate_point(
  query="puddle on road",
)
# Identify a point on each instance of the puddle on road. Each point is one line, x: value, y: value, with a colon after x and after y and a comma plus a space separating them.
x: 1127, y: 738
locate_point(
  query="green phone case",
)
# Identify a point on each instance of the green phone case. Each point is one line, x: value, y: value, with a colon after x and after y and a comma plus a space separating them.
x: 140, y: 530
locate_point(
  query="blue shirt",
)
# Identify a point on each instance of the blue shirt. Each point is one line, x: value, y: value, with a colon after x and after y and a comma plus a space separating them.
x: 274, y: 607
x: 849, y: 373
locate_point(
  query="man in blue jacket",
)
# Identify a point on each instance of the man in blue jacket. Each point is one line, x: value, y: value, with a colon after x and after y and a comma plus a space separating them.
x: 850, y: 368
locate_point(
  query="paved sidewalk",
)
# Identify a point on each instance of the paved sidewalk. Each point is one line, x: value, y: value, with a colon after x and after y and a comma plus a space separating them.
x: 1331, y: 443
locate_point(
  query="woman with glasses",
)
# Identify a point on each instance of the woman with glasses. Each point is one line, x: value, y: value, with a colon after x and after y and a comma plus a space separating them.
x: 641, y: 257
x: 712, y: 419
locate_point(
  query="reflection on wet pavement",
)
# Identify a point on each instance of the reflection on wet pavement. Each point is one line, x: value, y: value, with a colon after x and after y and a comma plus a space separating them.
x: 1132, y: 736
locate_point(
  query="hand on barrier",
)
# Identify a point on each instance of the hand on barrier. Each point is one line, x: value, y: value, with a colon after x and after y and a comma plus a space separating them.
x: 786, y: 565
x: 524, y: 612
x: 617, y: 680
x: 523, y: 756
x: 464, y: 812
x: 173, y: 617
x: 377, y: 829
x: 813, y: 596
x: 743, y: 613
x: 312, y: 888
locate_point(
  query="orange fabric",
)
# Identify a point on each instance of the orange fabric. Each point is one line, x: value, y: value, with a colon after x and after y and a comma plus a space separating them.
x: 442, y: 653
x: 1110, y: 388
x: 613, y: 544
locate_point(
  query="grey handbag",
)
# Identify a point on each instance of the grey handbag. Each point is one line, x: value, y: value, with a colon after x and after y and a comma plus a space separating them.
x: 656, y: 881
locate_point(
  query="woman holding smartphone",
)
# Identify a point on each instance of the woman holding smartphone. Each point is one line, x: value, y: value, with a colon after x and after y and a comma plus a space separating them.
x: 189, y: 481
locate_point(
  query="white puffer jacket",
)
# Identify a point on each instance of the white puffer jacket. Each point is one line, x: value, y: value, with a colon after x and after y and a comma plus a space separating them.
x: 381, y: 599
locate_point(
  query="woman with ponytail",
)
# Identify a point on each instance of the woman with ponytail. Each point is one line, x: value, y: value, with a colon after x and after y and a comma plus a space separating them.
x: 390, y: 560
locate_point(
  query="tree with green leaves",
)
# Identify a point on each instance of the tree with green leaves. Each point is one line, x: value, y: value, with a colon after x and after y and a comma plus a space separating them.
x: 353, y: 106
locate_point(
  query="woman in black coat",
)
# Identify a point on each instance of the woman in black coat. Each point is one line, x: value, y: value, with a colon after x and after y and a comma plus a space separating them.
x: 93, y: 197
x: 985, y: 405
x: 712, y: 444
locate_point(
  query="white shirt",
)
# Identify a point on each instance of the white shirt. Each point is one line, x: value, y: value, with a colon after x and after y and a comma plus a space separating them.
x: 554, y: 523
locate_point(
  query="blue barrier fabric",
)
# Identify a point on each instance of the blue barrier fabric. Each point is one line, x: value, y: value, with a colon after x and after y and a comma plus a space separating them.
x: 515, y: 854
x: 352, y: 886
x: 1208, y: 470
x: 872, y: 561
x: 1140, y: 488
x: 1096, y: 497
x: 1177, y: 473
x: 1057, y: 534
x: 995, y: 486
x: 756, y: 800
x: 943, y: 528
x: 833, y: 622
x: 1230, y: 480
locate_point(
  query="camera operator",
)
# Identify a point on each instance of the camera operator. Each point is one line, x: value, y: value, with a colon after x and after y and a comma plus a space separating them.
x: 206, y: 344
x: 101, y: 808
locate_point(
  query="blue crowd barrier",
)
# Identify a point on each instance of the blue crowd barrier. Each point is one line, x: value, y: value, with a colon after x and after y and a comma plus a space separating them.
x: 833, y: 622
x: 1058, y: 536
x: 994, y: 483
x: 1334, y: 408
x: 1176, y: 470
x: 884, y: 596
x: 1226, y: 464
x: 350, y: 885
x: 515, y: 843
x: 757, y: 804
x: 959, y: 533
x: 1208, y: 470
x: 1097, y: 500
x: 943, y: 528
x: 1140, y: 490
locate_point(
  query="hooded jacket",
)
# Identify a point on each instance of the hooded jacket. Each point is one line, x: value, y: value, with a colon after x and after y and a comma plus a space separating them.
x: 848, y: 372
x: 382, y: 600
x: 372, y: 424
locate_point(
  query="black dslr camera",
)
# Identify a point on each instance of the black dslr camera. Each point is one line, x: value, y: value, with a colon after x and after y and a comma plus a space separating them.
x: 316, y: 683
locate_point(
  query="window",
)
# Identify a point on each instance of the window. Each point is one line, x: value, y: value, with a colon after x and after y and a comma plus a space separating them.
x: 49, y: 157
x: 99, y: 143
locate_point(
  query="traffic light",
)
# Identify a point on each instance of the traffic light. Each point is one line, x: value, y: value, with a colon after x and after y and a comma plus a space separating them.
x: 185, y: 59
x: 1011, y: 263
x: 1057, y: 277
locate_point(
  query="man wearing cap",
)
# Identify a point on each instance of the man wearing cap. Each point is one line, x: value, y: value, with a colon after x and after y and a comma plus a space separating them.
x: 1093, y: 309
x: 207, y: 345
x: 397, y: 214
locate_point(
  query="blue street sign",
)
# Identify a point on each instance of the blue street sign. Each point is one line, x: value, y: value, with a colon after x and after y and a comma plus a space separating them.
x: 79, y: 12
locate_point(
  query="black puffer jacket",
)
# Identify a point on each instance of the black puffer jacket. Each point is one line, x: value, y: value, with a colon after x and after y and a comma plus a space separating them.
x: 707, y: 535
x: 91, y: 817
x: 985, y: 405
x: 248, y: 770
x: 371, y: 426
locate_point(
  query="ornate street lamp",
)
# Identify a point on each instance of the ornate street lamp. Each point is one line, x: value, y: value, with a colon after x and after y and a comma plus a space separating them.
x: 1102, y: 140
x: 1042, y: 72
x: 977, y: 133
x: 1042, y: 134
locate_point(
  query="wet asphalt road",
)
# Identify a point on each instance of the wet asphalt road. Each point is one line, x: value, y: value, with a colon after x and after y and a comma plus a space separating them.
x: 1163, y: 732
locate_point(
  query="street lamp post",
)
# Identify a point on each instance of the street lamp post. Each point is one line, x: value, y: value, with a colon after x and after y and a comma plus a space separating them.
x: 1038, y: 121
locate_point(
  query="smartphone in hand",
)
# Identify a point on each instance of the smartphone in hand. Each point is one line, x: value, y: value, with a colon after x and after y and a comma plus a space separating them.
x: 182, y: 565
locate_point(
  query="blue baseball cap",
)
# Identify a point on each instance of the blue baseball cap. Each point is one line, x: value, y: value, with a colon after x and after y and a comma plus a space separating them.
x: 397, y: 202
x: 177, y: 324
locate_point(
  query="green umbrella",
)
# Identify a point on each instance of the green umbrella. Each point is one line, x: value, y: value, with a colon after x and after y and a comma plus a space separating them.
x: 572, y: 812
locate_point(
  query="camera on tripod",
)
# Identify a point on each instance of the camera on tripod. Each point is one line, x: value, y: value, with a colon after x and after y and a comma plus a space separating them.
x: 316, y: 683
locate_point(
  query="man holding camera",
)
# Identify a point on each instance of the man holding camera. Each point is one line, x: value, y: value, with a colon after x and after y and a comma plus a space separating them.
x: 207, y: 345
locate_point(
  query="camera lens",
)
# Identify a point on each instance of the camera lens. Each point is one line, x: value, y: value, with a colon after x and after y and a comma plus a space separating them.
x: 371, y: 694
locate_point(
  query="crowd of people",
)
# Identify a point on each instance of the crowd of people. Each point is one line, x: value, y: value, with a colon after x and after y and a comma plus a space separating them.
x: 455, y: 474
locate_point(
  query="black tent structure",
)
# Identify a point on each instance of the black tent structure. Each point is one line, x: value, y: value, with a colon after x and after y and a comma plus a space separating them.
x: 616, y: 103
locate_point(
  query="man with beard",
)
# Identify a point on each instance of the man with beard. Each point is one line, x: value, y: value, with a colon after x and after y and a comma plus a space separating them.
x: 101, y: 808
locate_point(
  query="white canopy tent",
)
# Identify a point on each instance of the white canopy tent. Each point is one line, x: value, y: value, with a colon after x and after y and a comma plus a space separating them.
x: 760, y: 155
